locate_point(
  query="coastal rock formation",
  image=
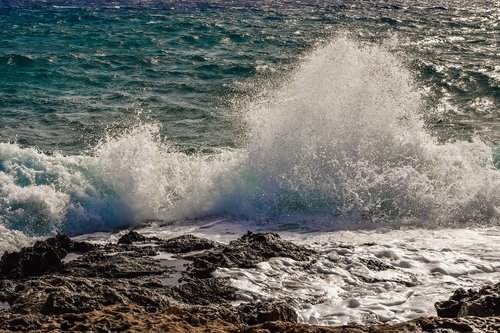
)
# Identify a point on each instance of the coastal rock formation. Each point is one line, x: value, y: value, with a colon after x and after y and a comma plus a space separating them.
x: 482, y: 303
x: 59, y: 280
x: 186, y: 244
x: 245, y: 252
x: 149, y: 284
x: 131, y: 237
x: 43, y: 257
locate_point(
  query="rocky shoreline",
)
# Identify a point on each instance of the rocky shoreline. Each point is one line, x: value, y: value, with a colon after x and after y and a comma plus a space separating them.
x: 150, y: 284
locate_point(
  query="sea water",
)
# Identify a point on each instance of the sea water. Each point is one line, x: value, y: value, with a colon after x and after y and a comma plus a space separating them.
x: 345, y: 121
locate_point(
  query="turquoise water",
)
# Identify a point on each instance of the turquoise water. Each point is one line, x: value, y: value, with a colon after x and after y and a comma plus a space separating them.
x: 71, y: 70
x: 118, y: 112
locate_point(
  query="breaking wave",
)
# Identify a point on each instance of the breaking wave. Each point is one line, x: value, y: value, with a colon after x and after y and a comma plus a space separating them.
x: 341, y: 139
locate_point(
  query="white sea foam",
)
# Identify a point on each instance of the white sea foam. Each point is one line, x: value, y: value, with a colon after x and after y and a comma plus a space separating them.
x: 343, y: 137
x: 11, y: 240
x: 341, y: 288
x: 339, y: 141
x: 359, y: 276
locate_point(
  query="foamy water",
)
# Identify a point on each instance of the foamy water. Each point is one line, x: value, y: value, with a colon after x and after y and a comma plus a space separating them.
x: 339, y: 140
x: 341, y: 288
x: 358, y: 276
x: 330, y: 145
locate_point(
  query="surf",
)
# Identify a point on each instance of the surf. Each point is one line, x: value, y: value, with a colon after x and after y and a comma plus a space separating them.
x: 339, y: 139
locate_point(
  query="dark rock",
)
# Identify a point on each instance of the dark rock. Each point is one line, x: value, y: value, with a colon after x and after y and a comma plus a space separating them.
x: 482, y: 303
x: 185, y: 244
x: 115, y: 265
x: 375, y: 264
x: 21, y: 323
x: 43, y: 257
x: 205, y: 292
x: 122, y: 288
x: 245, y: 252
x: 264, y: 312
x: 131, y: 237
x: 447, y: 309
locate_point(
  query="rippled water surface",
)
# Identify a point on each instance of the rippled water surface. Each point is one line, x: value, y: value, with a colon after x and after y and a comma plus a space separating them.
x: 353, y: 113
x: 75, y: 70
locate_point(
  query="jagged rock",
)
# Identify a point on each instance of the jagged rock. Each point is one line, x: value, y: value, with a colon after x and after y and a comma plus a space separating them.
x: 375, y: 264
x: 43, y: 257
x: 264, y: 312
x: 185, y: 244
x: 124, y: 288
x: 420, y: 325
x: 482, y: 303
x: 131, y: 237
x: 130, y: 317
x: 115, y: 265
x: 127, y: 275
x: 205, y: 292
x: 245, y: 252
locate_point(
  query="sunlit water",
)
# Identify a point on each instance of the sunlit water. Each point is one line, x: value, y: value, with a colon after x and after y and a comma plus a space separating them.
x: 354, y: 122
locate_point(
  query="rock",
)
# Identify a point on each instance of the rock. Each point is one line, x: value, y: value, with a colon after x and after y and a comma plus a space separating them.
x: 122, y: 287
x: 131, y: 237
x: 186, y: 243
x: 43, y: 257
x: 245, y: 252
x: 420, y: 325
x: 115, y: 265
x: 482, y: 303
x: 205, y: 292
x: 375, y: 264
x: 265, y: 312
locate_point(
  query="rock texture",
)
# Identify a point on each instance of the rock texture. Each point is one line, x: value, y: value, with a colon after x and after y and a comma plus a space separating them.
x: 245, y: 252
x: 43, y: 257
x: 48, y: 292
x: 482, y: 303
x: 61, y: 285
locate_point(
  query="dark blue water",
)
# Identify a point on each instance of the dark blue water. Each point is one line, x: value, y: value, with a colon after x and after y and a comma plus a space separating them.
x: 117, y: 112
x: 72, y: 70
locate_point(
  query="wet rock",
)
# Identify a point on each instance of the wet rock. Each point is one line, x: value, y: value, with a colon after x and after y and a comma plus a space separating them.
x: 482, y: 303
x: 421, y: 325
x: 131, y: 237
x: 185, y: 244
x: 20, y: 323
x: 115, y: 265
x: 205, y: 292
x: 375, y: 264
x: 123, y: 287
x: 43, y: 257
x: 246, y: 252
x: 265, y: 312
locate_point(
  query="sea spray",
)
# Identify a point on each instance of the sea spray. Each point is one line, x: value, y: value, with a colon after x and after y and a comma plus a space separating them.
x: 128, y: 179
x: 340, y: 139
x: 343, y: 138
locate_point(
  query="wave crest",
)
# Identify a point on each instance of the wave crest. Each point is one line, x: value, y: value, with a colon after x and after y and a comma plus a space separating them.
x: 340, y: 139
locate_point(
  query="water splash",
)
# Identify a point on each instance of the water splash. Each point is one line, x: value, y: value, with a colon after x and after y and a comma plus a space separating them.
x: 340, y: 139
x: 343, y: 138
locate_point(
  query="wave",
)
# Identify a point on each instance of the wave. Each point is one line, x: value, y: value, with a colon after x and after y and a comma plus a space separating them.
x: 341, y: 139
x: 16, y: 60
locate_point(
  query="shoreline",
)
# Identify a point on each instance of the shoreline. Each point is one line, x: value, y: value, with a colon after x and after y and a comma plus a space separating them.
x: 147, y: 283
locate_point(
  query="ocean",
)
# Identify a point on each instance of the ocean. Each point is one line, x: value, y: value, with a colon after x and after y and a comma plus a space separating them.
x: 326, y: 121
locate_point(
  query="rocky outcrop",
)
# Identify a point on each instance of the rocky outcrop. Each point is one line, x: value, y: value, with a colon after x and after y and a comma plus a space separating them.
x: 421, y: 325
x: 186, y: 243
x: 482, y: 303
x: 245, y: 252
x: 135, y: 286
x: 131, y: 237
x: 43, y: 288
x: 44, y: 256
x: 132, y: 318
